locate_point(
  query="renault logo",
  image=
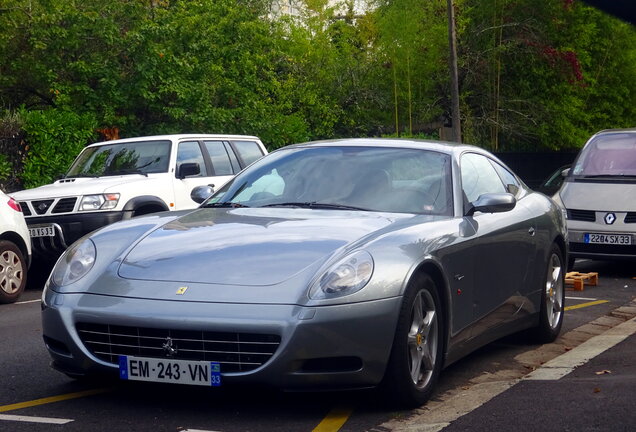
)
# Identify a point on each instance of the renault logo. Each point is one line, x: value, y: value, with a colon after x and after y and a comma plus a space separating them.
x: 610, y: 218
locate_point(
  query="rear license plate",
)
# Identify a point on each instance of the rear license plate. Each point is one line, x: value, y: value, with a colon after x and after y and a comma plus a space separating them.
x: 614, y: 239
x: 170, y: 371
x: 42, y: 231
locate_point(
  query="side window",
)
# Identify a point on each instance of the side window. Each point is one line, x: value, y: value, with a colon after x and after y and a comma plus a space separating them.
x: 248, y: 151
x: 510, y: 181
x: 236, y: 166
x: 220, y: 160
x: 479, y: 176
x: 190, y: 152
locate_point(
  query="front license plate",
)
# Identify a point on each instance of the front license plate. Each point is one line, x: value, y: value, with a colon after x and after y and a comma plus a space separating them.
x: 170, y: 371
x: 42, y: 231
x: 614, y: 239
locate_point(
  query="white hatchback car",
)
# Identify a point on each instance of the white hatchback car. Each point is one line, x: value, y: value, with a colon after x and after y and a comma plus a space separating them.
x: 15, y: 250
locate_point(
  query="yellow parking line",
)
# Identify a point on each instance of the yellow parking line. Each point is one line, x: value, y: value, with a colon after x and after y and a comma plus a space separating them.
x: 582, y: 305
x: 52, y: 399
x: 334, y: 420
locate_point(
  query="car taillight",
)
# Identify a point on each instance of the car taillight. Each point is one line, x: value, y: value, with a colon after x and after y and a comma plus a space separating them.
x: 14, y: 205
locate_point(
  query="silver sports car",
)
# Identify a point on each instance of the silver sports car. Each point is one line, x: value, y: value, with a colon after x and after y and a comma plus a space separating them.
x: 327, y: 265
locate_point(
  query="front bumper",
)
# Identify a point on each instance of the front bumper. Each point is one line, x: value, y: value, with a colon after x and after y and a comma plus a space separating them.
x: 328, y: 347
x: 68, y: 228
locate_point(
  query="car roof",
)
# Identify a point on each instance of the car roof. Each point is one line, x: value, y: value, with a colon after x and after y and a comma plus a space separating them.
x: 439, y: 146
x: 610, y: 131
x: 176, y: 137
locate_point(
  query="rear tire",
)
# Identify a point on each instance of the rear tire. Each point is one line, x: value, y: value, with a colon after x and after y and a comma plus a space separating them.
x: 416, y: 356
x: 552, y: 299
x: 13, y: 272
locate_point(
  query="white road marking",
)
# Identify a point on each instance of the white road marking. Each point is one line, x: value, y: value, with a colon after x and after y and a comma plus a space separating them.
x: 564, y: 364
x: 47, y: 420
x: 197, y: 430
x: 437, y: 414
x: 580, y: 298
x: 27, y: 301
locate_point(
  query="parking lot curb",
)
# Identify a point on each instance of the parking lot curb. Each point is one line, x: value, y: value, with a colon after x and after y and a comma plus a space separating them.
x: 605, y: 331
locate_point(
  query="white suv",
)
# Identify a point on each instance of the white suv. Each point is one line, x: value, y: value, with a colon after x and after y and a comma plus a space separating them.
x: 115, y: 180
x: 15, y: 250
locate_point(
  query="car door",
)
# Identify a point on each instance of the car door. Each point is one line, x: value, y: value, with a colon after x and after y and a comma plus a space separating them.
x: 190, y: 156
x: 502, y: 246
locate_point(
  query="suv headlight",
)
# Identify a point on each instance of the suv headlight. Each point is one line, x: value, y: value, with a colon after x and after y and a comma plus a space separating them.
x: 347, y: 276
x: 99, y: 202
x: 75, y: 263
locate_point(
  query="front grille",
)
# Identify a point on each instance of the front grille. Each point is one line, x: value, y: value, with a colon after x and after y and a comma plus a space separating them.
x: 41, y: 206
x: 26, y: 211
x: 630, y: 217
x: 603, y: 249
x: 582, y: 215
x: 64, y: 205
x: 237, y: 352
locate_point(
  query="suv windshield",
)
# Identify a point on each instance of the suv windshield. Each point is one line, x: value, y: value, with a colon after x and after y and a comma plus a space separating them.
x: 608, y: 155
x: 344, y: 178
x: 142, y: 157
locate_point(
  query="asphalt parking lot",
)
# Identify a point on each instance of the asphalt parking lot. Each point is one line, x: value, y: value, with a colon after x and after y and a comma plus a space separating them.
x: 483, y: 390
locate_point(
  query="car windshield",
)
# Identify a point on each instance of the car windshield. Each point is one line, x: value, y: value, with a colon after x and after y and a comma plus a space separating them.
x: 348, y: 177
x: 608, y: 155
x: 141, y: 157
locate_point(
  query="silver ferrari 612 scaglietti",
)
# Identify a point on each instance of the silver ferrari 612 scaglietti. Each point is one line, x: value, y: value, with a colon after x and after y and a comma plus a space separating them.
x: 327, y: 265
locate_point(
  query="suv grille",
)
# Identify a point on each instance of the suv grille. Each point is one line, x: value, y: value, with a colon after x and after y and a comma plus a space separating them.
x: 630, y: 217
x: 26, y: 211
x: 582, y: 215
x: 237, y: 352
x: 42, y: 206
x: 64, y: 205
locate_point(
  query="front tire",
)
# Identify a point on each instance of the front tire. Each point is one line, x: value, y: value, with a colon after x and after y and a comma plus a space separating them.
x: 13, y: 272
x: 552, y: 299
x: 416, y: 356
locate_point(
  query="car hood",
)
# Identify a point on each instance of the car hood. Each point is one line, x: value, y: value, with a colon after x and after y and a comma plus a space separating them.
x: 247, y: 247
x: 599, y: 196
x: 78, y: 186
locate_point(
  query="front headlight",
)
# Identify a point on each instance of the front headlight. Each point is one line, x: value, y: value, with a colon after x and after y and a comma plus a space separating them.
x: 347, y: 276
x: 75, y: 263
x: 99, y: 202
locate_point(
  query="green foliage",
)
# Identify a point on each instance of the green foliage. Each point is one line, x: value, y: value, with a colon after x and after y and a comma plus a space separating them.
x: 533, y: 75
x: 5, y: 167
x: 55, y: 138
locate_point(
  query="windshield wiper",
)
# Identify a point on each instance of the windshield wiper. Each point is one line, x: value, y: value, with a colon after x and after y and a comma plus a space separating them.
x: 224, y: 205
x: 316, y: 205
x: 126, y: 171
x: 600, y: 176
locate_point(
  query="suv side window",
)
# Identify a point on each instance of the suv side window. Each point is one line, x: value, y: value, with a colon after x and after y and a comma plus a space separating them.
x: 221, y: 164
x: 479, y: 176
x: 247, y: 151
x: 190, y: 152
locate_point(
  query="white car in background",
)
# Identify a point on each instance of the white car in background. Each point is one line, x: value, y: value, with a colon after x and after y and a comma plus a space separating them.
x: 15, y: 250
x: 116, y: 180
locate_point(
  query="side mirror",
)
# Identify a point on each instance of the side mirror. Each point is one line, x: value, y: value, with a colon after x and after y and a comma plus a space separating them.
x: 492, y: 203
x: 201, y: 193
x: 188, y: 169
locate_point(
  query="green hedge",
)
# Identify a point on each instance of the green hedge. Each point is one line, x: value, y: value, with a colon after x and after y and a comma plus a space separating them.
x: 54, y: 137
